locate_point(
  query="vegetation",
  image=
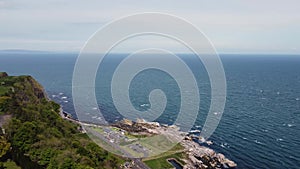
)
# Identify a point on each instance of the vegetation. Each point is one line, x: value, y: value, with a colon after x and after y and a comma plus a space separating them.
x: 10, y: 165
x: 161, y: 161
x: 37, y: 137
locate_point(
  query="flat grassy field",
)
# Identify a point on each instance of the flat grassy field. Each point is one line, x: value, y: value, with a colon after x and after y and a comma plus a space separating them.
x: 160, y: 161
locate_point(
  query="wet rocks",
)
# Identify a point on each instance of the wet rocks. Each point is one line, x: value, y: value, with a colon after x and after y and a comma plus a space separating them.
x: 204, y: 157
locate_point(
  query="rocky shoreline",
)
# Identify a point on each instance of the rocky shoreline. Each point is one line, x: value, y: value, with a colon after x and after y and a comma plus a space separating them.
x: 197, y: 156
x: 204, y: 157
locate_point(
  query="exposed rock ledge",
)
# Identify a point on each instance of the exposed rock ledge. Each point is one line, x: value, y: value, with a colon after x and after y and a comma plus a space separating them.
x: 204, y: 157
x: 197, y: 156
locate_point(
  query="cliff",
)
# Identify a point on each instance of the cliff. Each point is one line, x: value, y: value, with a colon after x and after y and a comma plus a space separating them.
x: 34, y: 135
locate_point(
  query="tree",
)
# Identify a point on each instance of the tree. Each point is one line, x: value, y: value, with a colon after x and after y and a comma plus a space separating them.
x: 4, y: 146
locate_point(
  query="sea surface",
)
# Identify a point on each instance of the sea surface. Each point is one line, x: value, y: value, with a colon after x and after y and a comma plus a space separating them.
x: 260, y: 127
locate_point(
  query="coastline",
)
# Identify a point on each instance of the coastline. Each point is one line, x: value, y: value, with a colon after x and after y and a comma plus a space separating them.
x: 196, y: 155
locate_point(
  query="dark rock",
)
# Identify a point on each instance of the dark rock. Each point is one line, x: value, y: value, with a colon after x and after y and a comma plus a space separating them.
x: 3, y: 74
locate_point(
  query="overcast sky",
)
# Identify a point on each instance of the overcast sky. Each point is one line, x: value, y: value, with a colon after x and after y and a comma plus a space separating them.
x: 233, y: 26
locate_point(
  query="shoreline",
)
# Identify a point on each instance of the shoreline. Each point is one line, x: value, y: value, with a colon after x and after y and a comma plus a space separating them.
x: 197, y: 155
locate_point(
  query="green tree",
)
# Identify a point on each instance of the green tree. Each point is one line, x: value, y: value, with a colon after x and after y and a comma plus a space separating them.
x: 4, y: 146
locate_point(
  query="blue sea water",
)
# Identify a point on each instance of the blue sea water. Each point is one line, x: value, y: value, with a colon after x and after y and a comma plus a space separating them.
x: 260, y: 127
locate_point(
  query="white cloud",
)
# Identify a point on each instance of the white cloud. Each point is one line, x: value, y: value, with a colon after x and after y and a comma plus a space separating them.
x: 231, y: 25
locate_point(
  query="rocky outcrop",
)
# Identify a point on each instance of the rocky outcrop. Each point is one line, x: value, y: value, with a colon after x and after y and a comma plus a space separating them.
x: 204, y: 157
x: 134, y: 127
x: 197, y: 156
x: 3, y: 74
x: 37, y: 88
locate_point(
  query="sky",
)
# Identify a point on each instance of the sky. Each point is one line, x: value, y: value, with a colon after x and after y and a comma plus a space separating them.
x: 233, y: 26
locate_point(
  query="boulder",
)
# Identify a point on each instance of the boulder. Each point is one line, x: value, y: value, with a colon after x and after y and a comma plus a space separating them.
x: 3, y: 74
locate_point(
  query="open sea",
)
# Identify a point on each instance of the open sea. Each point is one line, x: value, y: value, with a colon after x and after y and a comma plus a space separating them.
x: 260, y: 127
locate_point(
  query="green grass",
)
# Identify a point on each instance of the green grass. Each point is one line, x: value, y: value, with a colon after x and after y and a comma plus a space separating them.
x: 11, y: 165
x: 3, y: 90
x: 98, y: 129
x: 178, y: 148
x: 158, y: 164
x: 82, y: 135
x: 158, y: 144
x: 115, y: 129
x: 133, y: 136
x: 162, y: 163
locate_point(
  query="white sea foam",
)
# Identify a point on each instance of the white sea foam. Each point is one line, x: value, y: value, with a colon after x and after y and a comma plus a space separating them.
x: 143, y: 105
x: 224, y: 145
x: 258, y: 142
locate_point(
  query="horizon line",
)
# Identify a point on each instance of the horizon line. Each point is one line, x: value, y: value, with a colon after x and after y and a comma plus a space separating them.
x: 78, y: 52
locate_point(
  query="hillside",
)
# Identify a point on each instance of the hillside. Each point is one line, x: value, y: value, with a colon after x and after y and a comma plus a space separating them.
x: 33, y: 134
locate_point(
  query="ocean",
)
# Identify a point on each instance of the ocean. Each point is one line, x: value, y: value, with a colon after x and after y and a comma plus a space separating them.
x: 260, y: 127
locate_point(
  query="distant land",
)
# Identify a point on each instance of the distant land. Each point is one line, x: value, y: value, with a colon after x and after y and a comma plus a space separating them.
x: 26, y: 51
x: 23, y: 51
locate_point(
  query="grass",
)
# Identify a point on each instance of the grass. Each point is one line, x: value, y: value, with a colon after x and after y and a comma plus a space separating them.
x: 178, y: 148
x: 98, y: 129
x: 158, y: 164
x: 3, y: 90
x: 162, y: 163
x: 158, y: 144
x: 133, y: 136
x: 11, y: 165
x: 115, y: 128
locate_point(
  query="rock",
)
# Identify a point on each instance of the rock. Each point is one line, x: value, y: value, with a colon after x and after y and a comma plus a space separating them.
x: 3, y: 74
x: 127, y: 122
x: 231, y: 164
x: 221, y: 157
x: 187, y: 138
x: 138, y: 120
x: 209, y: 142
